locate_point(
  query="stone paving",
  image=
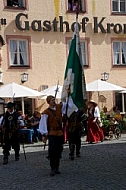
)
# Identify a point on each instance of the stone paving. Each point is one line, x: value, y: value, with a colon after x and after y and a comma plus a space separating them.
x: 102, y: 166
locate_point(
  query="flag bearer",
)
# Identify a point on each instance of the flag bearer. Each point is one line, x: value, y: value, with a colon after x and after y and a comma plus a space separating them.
x: 51, y: 126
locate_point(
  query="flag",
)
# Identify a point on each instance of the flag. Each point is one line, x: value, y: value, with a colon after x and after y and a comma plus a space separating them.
x: 74, y: 74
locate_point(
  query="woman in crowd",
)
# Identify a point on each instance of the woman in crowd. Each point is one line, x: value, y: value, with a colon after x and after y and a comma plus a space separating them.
x: 95, y: 132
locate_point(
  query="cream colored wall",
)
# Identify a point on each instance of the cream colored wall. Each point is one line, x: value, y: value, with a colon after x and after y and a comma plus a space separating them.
x: 48, y: 49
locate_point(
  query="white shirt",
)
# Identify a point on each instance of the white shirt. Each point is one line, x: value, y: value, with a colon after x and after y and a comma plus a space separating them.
x: 1, y: 118
x: 97, y: 112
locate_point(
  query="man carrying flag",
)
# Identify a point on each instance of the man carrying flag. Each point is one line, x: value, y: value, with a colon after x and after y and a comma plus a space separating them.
x: 75, y: 81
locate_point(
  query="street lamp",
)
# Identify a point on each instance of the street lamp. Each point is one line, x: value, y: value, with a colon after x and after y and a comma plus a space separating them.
x: 24, y: 77
x: 105, y: 76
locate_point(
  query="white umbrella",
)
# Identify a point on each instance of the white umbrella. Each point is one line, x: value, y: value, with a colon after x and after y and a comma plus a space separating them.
x: 99, y: 85
x: 52, y: 91
x: 13, y: 90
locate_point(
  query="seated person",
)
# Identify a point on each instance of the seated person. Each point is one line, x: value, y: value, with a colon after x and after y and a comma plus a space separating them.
x: 114, y: 110
x: 118, y: 118
x: 23, y: 128
x: 21, y: 119
x: 35, y: 125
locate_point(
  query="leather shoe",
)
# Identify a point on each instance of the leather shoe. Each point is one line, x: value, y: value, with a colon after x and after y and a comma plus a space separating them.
x: 52, y: 173
x: 57, y: 171
x: 5, y: 161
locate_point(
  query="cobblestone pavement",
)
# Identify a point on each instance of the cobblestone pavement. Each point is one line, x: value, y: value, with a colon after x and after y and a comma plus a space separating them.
x: 102, y: 166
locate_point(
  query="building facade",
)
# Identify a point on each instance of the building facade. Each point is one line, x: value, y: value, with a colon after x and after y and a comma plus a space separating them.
x: 35, y: 39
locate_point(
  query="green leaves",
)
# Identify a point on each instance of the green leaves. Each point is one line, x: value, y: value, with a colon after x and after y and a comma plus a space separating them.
x: 104, y: 120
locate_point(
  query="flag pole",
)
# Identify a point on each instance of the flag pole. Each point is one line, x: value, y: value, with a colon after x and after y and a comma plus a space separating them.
x: 73, y: 72
x: 77, y: 12
x: 57, y: 88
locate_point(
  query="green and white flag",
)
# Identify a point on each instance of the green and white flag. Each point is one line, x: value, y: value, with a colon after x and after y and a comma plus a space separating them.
x: 74, y: 74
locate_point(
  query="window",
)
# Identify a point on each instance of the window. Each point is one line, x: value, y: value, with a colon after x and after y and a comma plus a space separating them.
x: 28, y: 105
x: 119, y: 6
x: 83, y: 45
x: 119, y: 53
x: 119, y: 99
x: 16, y: 3
x: 18, y: 52
x: 73, y: 5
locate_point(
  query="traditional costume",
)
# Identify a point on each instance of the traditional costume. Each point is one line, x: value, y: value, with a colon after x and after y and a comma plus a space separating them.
x: 51, y: 125
x: 10, y: 133
x: 95, y: 132
x: 74, y: 130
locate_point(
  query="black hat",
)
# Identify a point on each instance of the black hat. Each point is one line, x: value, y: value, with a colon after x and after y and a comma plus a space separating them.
x: 10, y: 105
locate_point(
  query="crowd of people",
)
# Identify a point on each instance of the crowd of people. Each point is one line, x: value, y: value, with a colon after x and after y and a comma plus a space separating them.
x: 50, y: 125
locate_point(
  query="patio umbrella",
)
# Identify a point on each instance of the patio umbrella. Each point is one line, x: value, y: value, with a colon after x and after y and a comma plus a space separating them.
x: 14, y: 90
x: 100, y: 85
x: 52, y: 91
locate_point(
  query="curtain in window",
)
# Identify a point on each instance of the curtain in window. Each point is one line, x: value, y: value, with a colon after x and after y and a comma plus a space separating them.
x: 21, y: 3
x: 13, y: 46
x: 118, y: 101
x: 116, y: 49
x: 22, y: 46
x: 124, y: 51
x: 82, y: 5
x: 122, y: 5
x: 115, y: 5
x: 83, y: 50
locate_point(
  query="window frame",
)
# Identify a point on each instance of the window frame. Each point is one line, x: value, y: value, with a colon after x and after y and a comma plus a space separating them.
x: 86, y: 41
x: 16, y: 8
x: 118, y: 100
x: 80, y: 11
x: 118, y: 12
x: 19, y: 38
x: 120, y: 53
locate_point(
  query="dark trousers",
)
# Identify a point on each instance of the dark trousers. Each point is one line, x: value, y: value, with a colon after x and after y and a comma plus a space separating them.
x: 35, y: 134
x: 11, y: 141
x: 55, y: 150
x: 74, y: 139
x: 1, y: 137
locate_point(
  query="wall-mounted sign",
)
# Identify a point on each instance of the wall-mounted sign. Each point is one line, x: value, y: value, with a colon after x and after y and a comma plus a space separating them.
x: 22, y: 23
